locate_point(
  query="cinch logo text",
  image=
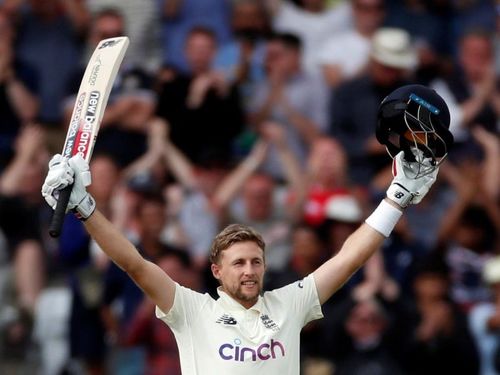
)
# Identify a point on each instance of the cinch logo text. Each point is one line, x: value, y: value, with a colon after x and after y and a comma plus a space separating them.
x: 230, y: 352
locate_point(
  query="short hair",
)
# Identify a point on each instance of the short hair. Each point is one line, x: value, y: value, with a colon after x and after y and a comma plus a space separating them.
x: 109, y: 12
x: 202, y: 30
x: 233, y: 233
x: 289, y: 40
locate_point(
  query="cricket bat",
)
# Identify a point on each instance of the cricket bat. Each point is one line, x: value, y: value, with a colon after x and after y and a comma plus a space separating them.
x: 87, y: 114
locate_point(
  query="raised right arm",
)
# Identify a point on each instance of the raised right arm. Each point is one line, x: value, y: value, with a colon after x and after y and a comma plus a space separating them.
x: 148, y: 276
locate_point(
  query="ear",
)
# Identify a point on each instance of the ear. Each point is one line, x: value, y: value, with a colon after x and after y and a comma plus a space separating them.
x: 215, y: 270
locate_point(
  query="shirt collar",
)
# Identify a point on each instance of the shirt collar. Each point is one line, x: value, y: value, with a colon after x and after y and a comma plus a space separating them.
x: 232, y: 304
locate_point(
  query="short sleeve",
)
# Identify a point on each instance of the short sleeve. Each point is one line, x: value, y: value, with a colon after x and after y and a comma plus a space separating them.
x: 300, y: 298
x: 187, y: 306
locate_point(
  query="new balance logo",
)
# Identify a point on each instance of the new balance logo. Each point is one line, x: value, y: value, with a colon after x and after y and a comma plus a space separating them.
x: 399, y: 194
x: 226, y: 319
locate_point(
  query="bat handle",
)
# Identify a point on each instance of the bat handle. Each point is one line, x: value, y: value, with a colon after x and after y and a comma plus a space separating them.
x: 60, y: 211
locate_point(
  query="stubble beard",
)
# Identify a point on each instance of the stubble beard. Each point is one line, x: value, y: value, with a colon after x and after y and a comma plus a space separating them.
x: 239, y: 295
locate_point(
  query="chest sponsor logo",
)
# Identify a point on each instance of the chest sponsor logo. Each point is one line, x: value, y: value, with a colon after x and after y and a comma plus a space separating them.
x: 269, y: 323
x: 227, y: 320
x: 236, y: 352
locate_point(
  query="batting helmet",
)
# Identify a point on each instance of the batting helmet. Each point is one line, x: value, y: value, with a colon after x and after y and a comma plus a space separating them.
x: 415, y: 119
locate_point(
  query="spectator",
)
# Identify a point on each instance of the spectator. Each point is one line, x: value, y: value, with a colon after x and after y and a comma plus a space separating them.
x: 83, y: 258
x: 434, y: 337
x: 391, y: 59
x: 47, y: 29
x: 366, y: 326
x: 472, y: 90
x: 312, y: 21
x: 307, y: 253
x: 203, y: 110
x: 430, y: 24
x: 242, y: 59
x: 142, y: 26
x: 327, y: 176
x: 18, y: 90
x: 22, y: 217
x: 468, y: 234
x: 181, y: 16
x: 346, y: 54
x: 289, y: 96
x: 484, y: 320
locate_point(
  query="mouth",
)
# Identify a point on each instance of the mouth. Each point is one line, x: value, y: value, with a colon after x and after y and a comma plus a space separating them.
x: 249, y: 283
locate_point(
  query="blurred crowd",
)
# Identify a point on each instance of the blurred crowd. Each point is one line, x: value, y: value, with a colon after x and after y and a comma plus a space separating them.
x: 260, y: 112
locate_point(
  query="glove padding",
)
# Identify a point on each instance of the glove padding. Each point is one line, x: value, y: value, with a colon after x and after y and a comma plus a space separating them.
x: 63, y: 172
x: 406, y: 190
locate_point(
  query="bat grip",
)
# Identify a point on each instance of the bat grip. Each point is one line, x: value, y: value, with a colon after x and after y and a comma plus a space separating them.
x: 60, y: 211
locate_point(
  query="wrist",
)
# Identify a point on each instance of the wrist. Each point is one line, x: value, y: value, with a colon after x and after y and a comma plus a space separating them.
x: 399, y: 196
x: 385, y: 217
x: 85, y: 208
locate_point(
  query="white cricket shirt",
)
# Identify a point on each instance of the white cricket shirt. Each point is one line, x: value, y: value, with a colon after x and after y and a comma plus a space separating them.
x: 222, y: 337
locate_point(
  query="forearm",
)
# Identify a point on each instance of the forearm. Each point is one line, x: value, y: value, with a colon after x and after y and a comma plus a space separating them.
x: 357, y: 249
x: 25, y: 104
x: 180, y: 166
x: 230, y: 186
x: 471, y: 108
x: 145, y: 163
x: 295, y: 177
x: 113, y: 243
x: 11, y: 178
x: 307, y: 128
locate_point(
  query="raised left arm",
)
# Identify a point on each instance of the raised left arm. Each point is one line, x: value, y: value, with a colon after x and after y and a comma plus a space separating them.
x: 368, y: 238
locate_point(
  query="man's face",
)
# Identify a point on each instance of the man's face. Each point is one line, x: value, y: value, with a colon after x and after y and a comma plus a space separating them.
x: 368, y: 14
x: 476, y: 56
x: 200, y: 51
x: 281, y: 61
x: 248, y: 16
x: 386, y: 76
x: 240, y: 271
x: 106, y: 26
x: 258, y: 197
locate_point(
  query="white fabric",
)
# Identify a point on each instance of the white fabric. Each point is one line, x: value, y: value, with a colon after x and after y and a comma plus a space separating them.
x: 349, y: 51
x: 51, y: 322
x: 222, y: 337
x: 384, y: 218
x: 63, y: 172
x: 312, y: 28
x: 405, y: 188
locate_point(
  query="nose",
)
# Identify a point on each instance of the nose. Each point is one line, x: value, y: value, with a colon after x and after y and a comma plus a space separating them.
x: 249, y: 269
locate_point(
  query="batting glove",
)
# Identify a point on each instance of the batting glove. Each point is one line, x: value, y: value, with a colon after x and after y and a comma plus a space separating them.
x: 63, y: 172
x: 405, y: 190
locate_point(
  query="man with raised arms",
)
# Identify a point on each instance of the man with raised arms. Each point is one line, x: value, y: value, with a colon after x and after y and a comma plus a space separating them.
x: 244, y: 331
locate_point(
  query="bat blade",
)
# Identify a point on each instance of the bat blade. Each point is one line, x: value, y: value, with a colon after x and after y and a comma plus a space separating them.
x: 90, y: 104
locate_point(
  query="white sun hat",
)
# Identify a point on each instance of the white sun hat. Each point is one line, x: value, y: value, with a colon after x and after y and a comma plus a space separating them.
x: 393, y: 47
x: 491, y: 270
x: 344, y: 208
